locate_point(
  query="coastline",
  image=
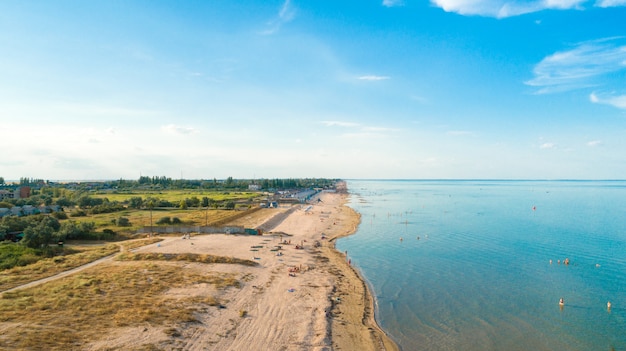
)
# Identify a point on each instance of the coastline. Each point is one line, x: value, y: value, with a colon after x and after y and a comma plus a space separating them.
x: 301, y: 295
x: 359, y: 304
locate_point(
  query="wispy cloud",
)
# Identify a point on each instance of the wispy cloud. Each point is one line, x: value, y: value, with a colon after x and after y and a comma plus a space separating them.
x: 618, y: 101
x: 610, y: 3
x: 547, y: 146
x: 594, y: 143
x: 393, y: 3
x: 373, y: 78
x: 174, y: 129
x: 286, y: 14
x: 504, y: 8
x: 359, y: 130
x: 579, y: 67
x: 339, y: 124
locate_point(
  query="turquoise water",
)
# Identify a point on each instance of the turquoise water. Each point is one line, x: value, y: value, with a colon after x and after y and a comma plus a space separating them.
x: 465, y: 265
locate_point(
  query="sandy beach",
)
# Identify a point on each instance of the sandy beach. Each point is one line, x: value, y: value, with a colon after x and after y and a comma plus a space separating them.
x: 302, y: 296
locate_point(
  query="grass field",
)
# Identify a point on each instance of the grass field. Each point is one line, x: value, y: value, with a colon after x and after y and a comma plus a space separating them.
x: 75, y: 255
x: 175, y: 196
x: 141, y: 218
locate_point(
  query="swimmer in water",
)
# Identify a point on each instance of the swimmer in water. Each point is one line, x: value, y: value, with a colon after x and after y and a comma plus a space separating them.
x: 608, y: 305
x: 561, y: 302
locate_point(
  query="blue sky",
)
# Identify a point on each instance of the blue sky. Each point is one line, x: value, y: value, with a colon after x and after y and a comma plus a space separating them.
x: 346, y: 89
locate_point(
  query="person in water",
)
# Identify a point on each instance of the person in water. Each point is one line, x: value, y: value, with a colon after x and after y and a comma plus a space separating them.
x: 561, y: 302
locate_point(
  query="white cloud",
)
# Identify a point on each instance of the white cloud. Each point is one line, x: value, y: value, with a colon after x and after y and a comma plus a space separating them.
x: 618, y: 101
x: 286, y: 14
x: 594, y: 143
x: 359, y: 130
x: 339, y: 124
x: 547, y: 146
x: 373, y: 78
x: 610, y: 3
x: 503, y: 8
x: 393, y: 3
x: 174, y: 129
x: 579, y: 67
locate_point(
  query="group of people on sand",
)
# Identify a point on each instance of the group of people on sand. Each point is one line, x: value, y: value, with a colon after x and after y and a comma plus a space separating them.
x: 294, y: 270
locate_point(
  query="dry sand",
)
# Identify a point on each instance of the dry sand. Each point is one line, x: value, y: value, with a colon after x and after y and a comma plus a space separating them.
x: 302, y: 299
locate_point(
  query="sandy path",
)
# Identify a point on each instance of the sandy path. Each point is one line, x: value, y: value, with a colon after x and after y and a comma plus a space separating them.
x: 62, y: 274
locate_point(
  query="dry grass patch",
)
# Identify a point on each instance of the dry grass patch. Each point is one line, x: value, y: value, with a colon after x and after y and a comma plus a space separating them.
x: 76, y: 255
x: 187, y: 257
x: 71, y: 312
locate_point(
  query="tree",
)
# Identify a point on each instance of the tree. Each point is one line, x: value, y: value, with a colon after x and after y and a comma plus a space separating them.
x: 64, y: 202
x: 193, y: 202
x: 230, y: 205
x: 1, y: 180
x: 183, y: 205
x: 136, y: 202
x: 38, y: 236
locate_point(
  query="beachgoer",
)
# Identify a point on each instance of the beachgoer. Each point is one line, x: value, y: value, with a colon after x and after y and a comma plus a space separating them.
x: 561, y: 302
x: 566, y: 261
x: 608, y: 305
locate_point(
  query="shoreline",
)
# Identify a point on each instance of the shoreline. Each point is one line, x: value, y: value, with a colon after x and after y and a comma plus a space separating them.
x: 365, y: 328
x: 301, y: 294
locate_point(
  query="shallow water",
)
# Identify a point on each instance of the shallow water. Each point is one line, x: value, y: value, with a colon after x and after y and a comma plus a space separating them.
x: 465, y: 265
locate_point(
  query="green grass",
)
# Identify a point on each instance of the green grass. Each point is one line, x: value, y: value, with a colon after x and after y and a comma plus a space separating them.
x: 141, y: 218
x: 175, y: 196
x: 12, y: 255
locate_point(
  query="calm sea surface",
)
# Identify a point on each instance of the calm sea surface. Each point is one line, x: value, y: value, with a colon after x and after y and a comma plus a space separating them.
x: 465, y: 265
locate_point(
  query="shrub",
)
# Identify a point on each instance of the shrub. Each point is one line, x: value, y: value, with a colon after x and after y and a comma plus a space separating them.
x: 164, y: 220
x: 123, y: 222
x: 78, y: 213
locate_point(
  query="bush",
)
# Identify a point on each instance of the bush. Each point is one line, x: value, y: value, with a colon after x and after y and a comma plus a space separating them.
x: 176, y: 220
x: 12, y: 255
x: 164, y: 220
x: 78, y: 213
x: 59, y: 215
x: 123, y: 222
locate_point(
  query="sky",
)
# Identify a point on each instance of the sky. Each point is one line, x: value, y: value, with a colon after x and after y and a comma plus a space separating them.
x: 384, y: 89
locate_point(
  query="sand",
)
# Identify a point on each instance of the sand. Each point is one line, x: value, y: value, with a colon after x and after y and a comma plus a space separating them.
x: 306, y: 298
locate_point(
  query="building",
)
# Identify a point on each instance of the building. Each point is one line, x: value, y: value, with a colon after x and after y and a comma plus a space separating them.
x: 9, y: 194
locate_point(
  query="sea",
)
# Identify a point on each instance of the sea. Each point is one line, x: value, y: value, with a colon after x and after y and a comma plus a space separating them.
x: 479, y: 264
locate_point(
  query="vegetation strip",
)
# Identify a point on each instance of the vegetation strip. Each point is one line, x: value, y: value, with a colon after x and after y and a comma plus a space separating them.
x: 188, y: 257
